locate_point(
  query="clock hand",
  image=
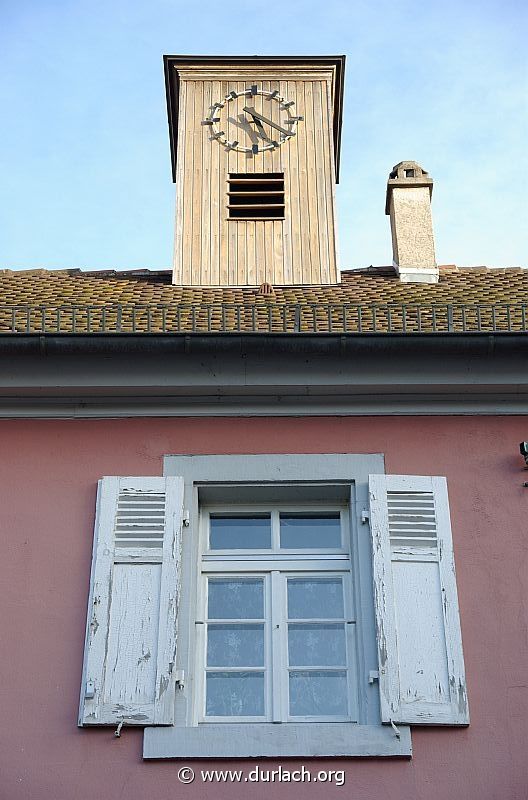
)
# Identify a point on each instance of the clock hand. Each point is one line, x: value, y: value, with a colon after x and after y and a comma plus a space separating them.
x: 260, y: 128
x: 245, y: 124
x: 256, y: 116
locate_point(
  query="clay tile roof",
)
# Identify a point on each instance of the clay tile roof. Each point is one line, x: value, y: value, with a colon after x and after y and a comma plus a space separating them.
x: 143, y: 288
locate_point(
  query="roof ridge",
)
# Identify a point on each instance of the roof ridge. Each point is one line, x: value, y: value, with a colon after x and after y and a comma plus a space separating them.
x: 162, y: 273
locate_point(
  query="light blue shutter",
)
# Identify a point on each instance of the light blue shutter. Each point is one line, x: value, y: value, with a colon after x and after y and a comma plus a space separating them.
x: 421, y: 664
x: 130, y: 650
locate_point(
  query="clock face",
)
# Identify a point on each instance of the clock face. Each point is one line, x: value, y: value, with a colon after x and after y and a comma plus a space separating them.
x: 258, y: 120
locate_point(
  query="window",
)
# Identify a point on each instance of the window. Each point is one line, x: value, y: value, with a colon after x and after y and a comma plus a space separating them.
x: 276, y: 615
x: 273, y: 605
x: 256, y: 196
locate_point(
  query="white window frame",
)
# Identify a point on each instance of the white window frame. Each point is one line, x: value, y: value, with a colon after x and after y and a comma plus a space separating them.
x: 276, y: 566
x: 323, y: 477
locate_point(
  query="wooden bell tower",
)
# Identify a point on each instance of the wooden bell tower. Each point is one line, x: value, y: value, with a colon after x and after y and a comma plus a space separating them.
x: 255, y: 156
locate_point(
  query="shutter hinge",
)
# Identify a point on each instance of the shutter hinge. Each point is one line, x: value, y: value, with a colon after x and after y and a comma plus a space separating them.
x: 395, y: 729
x: 186, y: 518
x: 365, y: 516
x: 179, y: 676
x: 89, y: 693
x: 373, y: 675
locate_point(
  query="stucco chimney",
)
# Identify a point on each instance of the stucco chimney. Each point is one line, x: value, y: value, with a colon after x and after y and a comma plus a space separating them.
x: 408, y: 204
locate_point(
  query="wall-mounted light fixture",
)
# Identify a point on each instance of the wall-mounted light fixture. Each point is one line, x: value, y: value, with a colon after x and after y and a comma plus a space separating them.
x: 523, y: 447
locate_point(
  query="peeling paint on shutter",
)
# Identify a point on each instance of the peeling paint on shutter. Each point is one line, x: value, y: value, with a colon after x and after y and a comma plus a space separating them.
x: 421, y: 664
x: 130, y: 650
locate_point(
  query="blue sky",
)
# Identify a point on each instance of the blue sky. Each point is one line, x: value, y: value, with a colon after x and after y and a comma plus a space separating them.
x: 84, y: 151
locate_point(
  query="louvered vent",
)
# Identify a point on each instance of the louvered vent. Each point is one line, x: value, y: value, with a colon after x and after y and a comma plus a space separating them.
x: 140, y: 520
x: 254, y: 196
x: 412, y: 519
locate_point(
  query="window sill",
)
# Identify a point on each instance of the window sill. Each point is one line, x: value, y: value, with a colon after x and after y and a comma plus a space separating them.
x: 269, y: 740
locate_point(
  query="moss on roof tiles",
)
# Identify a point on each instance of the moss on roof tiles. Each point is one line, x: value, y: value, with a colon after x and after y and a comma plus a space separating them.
x: 477, y: 285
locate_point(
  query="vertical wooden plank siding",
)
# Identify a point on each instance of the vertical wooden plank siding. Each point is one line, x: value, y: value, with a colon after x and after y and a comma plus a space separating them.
x: 190, y: 189
x: 179, y: 245
x: 278, y: 225
x: 304, y: 222
x: 198, y: 186
x: 328, y: 167
x: 292, y: 183
x: 252, y: 256
x: 204, y: 263
x: 267, y: 226
x: 240, y: 274
x: 282, y: 86
x: 217, y: 184
x: 227, y: 251
x: 210, y: 248
x: 322, y: 188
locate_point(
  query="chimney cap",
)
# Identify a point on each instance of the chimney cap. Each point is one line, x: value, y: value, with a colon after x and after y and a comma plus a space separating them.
x: 407, y: 174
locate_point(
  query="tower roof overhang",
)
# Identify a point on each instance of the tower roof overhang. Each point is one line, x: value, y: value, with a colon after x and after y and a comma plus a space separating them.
x: 173, y: 64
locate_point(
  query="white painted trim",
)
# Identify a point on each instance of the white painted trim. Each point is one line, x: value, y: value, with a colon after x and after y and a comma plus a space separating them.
x: 274, y: 552
x: 276, y: 566
x: 277, y: 741
x: 301, y: 565
x: 277, y: 653
x: 417, y: 274
x: 348, y: 473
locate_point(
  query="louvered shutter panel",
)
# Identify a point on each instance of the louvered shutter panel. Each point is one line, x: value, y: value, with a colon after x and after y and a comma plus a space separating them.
x: 421, y: 664
x: 130, y: 650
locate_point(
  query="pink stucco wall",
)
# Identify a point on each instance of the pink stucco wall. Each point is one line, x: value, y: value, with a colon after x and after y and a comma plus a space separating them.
x: 48, y: 478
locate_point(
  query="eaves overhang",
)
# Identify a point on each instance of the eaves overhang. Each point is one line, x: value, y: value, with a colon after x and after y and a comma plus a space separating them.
x: 122, y: 375
x: 482, y: 343
x: 172, y: 63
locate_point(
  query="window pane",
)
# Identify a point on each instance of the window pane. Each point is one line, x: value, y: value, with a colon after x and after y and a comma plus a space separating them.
x: 316, y: 645
x: 235, y: 694
x: 315, y: 598
x: 240, y: 533
x: 310, y: 530
x: 236, y: 599
x: 236, y: 646
x: 318, y: 693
